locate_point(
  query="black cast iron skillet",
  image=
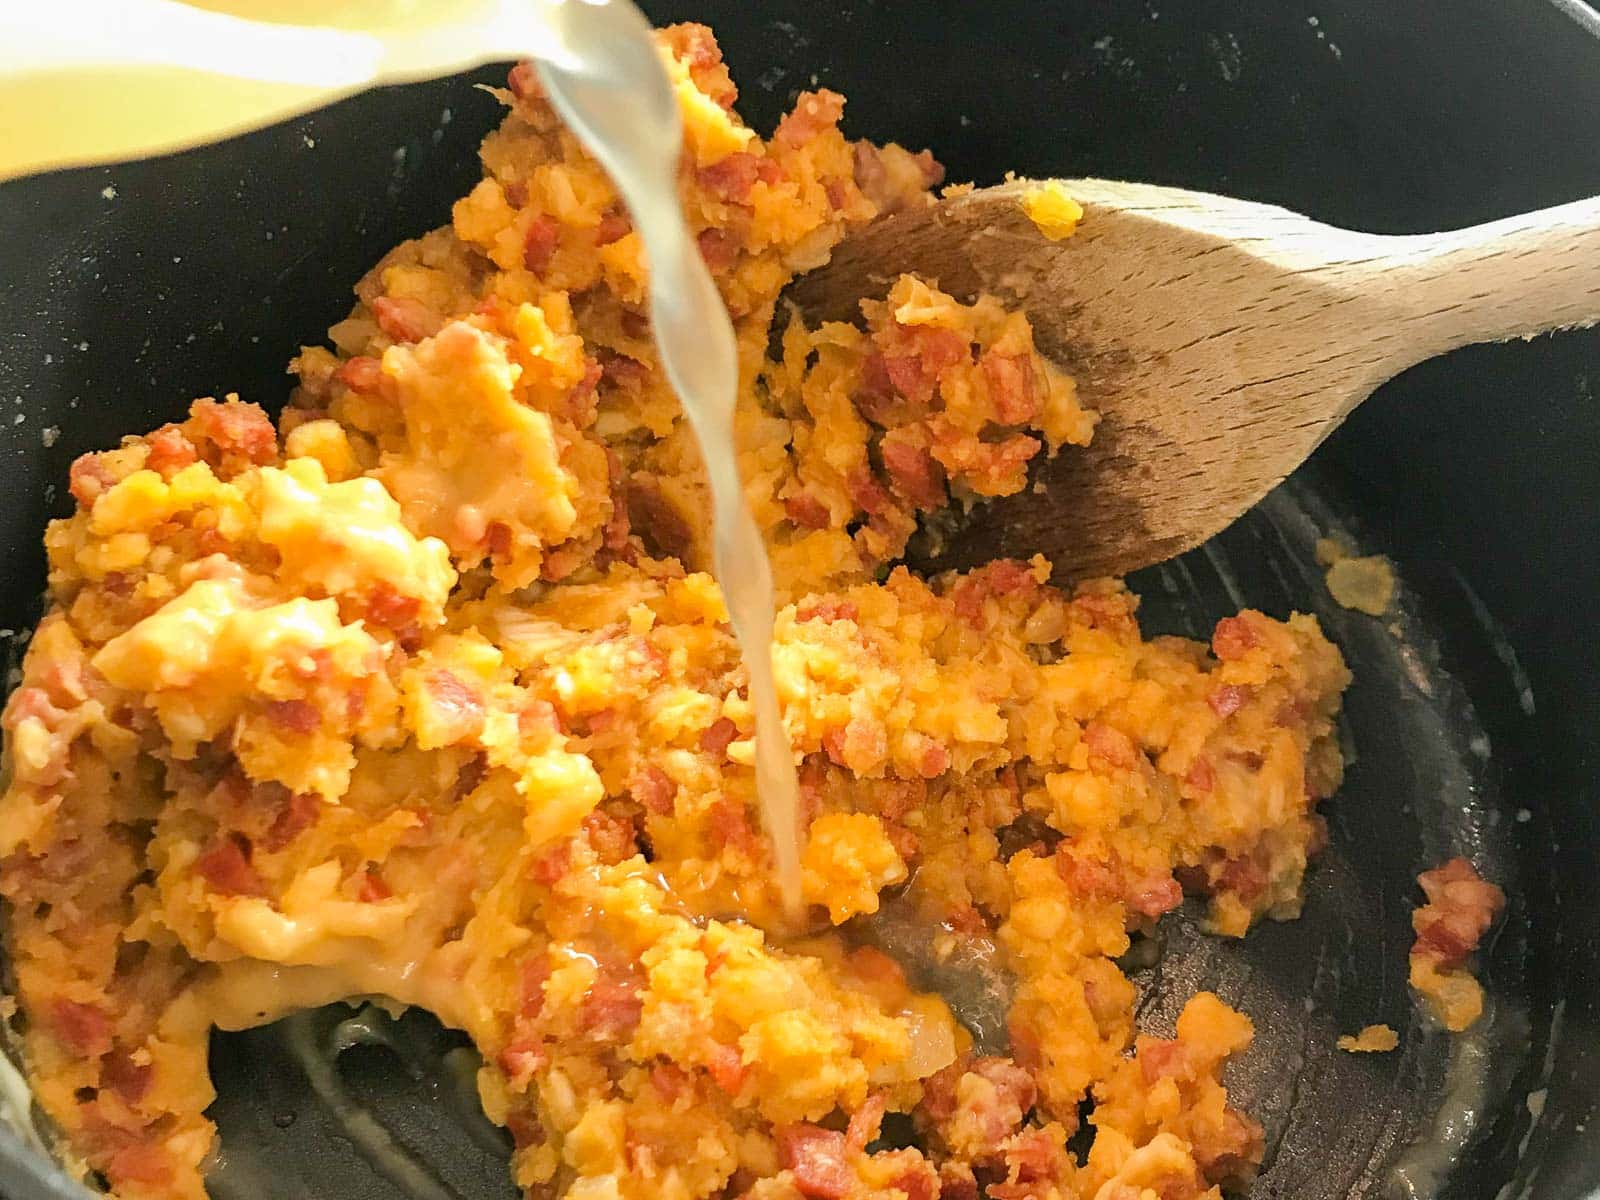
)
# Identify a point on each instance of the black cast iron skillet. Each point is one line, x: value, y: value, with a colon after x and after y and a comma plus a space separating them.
x: 1474, y: 721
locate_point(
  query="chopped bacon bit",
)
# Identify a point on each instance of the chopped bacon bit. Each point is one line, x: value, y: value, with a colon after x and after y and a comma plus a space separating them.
x: 170, y: 451
x: 1233, y: 638
x: 404, y: 319
x: 865, y: 1122
x: 497, y: 539
x: 540, y: 242
x: 719, y: 736
x: 1088, y: 876
x: 935, y: 760
x: 727, y: 1068
x: 225, y: 865
x: 128, y: 1079
x: 1244, y: 876
x: 1461, y: 906
x: 522, y: 1058
x: 523, y: 81
x: 297, y: 716
x: 1109, y: 747
x: 362, y: 373
x: 525, y: 1129
x: 612, y: 1006
x: 814, y: 113
x: 81, y: 1028
x: 236, y: 428
x: 370, y: 888
x: 1011, y: 387
x: 827, y: 609
x: 719, y: 247
x: 1002, y: 577
x: 875, y: 395
x: 1201, y: 777
x: 530, y: 985
x: 837, y: 196
x: 613, y: 838
x: 392, y: 609
x: 1229, y: 698
x: 1153, y: 897
x: 613, y: 227
x: 652, y: 788
x: 816, y: 1156
x: 914, y: 473
x: 916, y: 355
x: 625, y: 372
x: 867, y: 492
x: 806, y: 511
x: 88, y: 478
x: 932, y: 169
x: 693, y: 43
x: 549, y: 867
x: 729, y: 825
x: 298, y: 813
x: 731, y: 178
x: 1164, y: 1058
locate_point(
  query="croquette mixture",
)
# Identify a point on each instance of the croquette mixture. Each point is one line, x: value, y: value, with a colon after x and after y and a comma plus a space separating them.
x: 423, y: 692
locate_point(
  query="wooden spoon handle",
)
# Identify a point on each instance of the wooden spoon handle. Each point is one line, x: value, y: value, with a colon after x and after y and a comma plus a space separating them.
x: 1517, y: 277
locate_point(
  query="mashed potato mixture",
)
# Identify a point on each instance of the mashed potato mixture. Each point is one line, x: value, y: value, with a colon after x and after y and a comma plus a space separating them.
x: 423, y: 692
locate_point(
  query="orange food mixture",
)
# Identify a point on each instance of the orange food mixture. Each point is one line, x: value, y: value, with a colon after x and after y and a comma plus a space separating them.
x: 423, y: 692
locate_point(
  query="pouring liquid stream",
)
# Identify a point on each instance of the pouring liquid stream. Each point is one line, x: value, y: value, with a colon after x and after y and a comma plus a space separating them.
x: 174, y: 74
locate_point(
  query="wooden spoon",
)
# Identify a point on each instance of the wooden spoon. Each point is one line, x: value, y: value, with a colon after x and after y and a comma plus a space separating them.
x: 1220, y: 340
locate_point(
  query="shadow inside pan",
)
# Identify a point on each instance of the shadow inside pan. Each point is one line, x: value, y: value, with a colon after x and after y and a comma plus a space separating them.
x: 336, y: 1106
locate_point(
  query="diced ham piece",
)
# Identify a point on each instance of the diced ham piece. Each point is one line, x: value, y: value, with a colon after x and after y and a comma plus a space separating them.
x: 225, y: 866
x: 88, y: 478
x: 817, y: 1158
x: 82, y: 1028
x: 170, y: 451
x: 299, y: 811
x: 1011, y: 387
x: 236, y: 428
x: 718, y: 737
x: 1233, y: 638
x: 1461, y: 906
x: 806, y: 511
x: 814, y: 113
x: 360, y: 374
x: 652, y: 788
x: 1229, y: 698
x: 540, y: 242
x: 914, y: 473
x: 295, y: 716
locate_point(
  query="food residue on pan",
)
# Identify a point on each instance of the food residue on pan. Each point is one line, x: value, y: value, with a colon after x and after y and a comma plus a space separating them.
x: 1373, y: 1039
x: 1364, y: 583
x: 422, y: 691
x: 1460, y: 908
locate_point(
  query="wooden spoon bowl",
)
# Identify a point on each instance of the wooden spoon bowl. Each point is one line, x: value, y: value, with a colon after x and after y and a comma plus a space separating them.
x: 1221, y: 341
